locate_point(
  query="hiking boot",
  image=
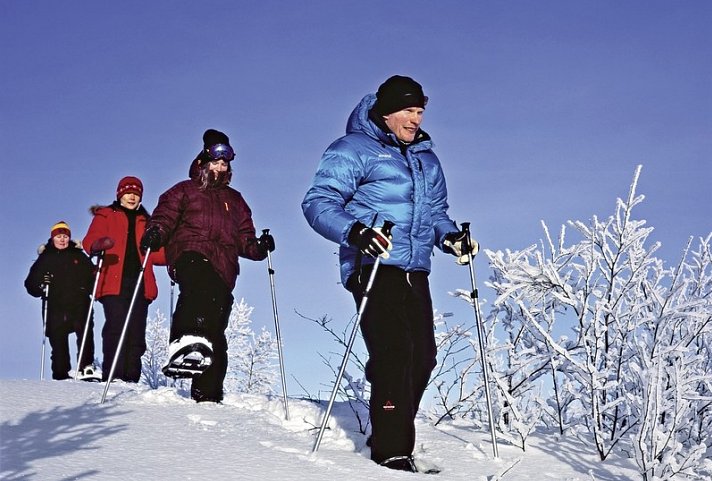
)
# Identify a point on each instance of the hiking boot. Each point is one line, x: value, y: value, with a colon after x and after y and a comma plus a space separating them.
x: 203, y: 397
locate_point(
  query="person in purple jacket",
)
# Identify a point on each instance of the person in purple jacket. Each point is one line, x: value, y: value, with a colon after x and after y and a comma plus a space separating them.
x: 205, y: 225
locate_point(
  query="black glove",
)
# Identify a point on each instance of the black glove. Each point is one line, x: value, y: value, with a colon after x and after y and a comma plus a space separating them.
x: 46, y: 279
x: 455, y: 243
x: 100, y: 245
x: 370, y: 241
x: 151, y: 240
x: 266, y: 243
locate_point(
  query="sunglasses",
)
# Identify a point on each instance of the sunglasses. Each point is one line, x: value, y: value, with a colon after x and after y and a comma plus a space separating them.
x: 220, y: 152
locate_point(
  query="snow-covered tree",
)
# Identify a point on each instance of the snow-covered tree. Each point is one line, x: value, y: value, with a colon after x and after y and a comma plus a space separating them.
x: 251, y: 358
x: 156, y: 351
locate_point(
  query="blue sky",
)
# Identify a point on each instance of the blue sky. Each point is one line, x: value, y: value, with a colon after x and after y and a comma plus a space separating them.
x: 539, y: 111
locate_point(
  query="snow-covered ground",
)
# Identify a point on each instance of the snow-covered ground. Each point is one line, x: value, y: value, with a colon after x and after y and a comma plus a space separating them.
x: 58, y: 430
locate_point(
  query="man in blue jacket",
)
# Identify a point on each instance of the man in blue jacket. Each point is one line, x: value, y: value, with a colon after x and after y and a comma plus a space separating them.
x: 384, y: 169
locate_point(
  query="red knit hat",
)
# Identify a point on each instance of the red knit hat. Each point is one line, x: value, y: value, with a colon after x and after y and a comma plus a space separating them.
x: 60, y: 227
x: 129, y: 185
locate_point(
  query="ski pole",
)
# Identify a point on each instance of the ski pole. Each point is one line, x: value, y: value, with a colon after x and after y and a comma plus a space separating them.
x: 126, y: 325
x: 171, y: 381
x: 480, y: 334
x: 276, y: 329
x: 100, y: 262
x: 173, y: 286
x: 45, y: 301
x: 386, y: 229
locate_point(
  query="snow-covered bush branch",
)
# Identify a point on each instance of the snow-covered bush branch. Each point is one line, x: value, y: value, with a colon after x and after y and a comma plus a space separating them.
x: 638, y: 362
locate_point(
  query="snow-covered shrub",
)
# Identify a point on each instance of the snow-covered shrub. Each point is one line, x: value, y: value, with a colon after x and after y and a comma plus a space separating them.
x: 455, y: 376
x: 354, y: 389
x: 637, y: 370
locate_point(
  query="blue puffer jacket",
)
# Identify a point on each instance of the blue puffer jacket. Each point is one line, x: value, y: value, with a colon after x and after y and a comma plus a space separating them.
x: 365, y: 175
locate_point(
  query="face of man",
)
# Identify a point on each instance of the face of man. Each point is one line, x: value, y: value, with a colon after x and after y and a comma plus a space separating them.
x: 60, y: 241
x: 405, y: 123
x: 130, y: 201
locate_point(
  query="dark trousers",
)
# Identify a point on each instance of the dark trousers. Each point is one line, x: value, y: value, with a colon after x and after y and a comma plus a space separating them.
x: 128, y: 364
x: 203, y: 309
x: 398, y: 330
x: 59, y: 327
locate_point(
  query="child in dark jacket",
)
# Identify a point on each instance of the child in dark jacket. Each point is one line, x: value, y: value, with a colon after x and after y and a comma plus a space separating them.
x: 63, y: 276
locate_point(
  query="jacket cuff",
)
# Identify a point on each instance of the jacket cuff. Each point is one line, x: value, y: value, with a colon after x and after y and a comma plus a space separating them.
x: 354, y: 233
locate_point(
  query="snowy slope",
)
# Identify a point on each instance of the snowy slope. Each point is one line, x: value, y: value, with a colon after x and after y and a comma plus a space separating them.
x: 58, y: 430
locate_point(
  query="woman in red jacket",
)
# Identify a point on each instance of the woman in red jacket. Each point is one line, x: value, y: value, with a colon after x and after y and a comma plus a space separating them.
x: 116, y: 231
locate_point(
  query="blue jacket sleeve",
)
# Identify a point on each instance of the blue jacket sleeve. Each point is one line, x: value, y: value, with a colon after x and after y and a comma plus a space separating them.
x: 334, y: 184
x: 442, y: 224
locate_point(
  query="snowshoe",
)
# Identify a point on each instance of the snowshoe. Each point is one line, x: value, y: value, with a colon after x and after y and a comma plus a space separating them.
x: 89, y: 374
x: 400, y: 463
x: 188, y: 357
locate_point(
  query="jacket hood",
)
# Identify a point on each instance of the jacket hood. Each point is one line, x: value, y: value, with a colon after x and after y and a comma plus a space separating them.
x: 359, y: 122
x: 194, y: 169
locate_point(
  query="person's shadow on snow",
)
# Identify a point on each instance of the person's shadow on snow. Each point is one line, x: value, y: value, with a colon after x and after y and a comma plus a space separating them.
x: 54, y: 433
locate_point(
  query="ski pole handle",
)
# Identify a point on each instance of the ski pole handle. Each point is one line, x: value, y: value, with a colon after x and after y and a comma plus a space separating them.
x: 266, y: 242
x: 467, y: 248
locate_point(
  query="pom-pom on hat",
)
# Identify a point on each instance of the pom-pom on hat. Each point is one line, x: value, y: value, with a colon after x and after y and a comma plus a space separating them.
x: 60, y: 227
x: 398, y: 93
x: 129, y: 185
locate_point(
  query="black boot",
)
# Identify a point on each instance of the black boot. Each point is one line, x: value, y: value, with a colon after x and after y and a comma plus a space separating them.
x: 202, y: 397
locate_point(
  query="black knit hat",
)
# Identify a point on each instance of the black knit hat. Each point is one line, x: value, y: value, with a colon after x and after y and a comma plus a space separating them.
x: 398, y: 93
x: 212, y: 137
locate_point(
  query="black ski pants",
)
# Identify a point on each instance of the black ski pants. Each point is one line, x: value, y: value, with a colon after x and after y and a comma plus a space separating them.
x: 128, y: 364
x: 398, y: 331
x: 60, y: 325
x: 203, y: 309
